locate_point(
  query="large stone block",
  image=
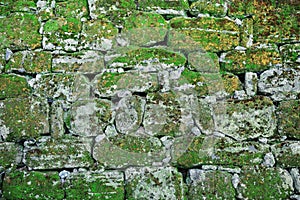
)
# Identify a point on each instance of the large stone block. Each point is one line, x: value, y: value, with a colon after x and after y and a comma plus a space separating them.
x: 20, y: 31
x: 23, y: 118
x: 213, y: 34
x: 13, y: 86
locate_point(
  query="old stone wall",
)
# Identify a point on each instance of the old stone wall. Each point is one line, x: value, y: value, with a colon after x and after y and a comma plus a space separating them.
x: 140, y: 99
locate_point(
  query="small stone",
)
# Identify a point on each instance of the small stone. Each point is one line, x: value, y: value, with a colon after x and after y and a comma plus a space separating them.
x: 269, y: 160
x: 287, y: 154
x: 251, y: 81
x: 296, y: 178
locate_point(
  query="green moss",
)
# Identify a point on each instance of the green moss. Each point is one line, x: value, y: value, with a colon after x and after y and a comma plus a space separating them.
x: 72, y: 8
x: 153, y: 4
x: 144, y: 19
x: 215, y: 7
x: 287, y: 154
x: 31, y: 185
x: 8, y: 155
x: 231, y: 83
x: 13, y: 86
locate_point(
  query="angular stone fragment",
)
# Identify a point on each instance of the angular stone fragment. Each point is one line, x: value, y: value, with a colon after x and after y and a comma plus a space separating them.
x: 23, y: 118
x: 210, y: 184
x: 89, y: 117
x: 221, y: 151
x: 246, y: 119
x: 291, y: 54
x: 213, y: 34
x: 81, y: 62
x: 251, y: 60
x: 296, y: 178
x: 57, y: 116
x: 49, y: 153
x: 281, y: 84
x: 67, y: 87
x: 71, y: 8
x: 95, y: 185
x: 262, y: 183
x: 32, y: 185
x: 30, y: 62
x: 108, y: 84
x: 13, y: 86
x: 157, y: 183
x: 251, y: 81
x: 214, y: 8
x: 98, y: 35
x: 20, y: 31
x: 204, y: 62
x: 289, y: 119
x: 61, y: 34
x: 287, y: 154
x: 9, y: 155
x: 143, y: 29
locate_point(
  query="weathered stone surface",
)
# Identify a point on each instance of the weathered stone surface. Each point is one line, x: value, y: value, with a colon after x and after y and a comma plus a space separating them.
x: 45, y: 9
x: 108, y: 84
x: 67, y: 87
x: 13, y: 86
x: 32, y: 185
x: 49, y: 153
x: 296, y: 178
x: 251, y: 60
x: 71, y: 8
x: 221, y: 151
x: 61, y: 34
x: 251, y: 81
x: 204, y: 62
x: 246, y: 119
x: 214, y: 8
x: 213, y: 34
x: 281, y: 84
x: 89, y: 117
x: 210, y: 184
x: 287, y: 154
x: 23, y: 118
x: 30, y: 62
x: 98, y: 35
x: 8, y: 6
x: 95, y: 185
x: 57, y: 118
x: 20, y: 31
x: 291, y: 54
x: 289, y: 119
x: 262, y: 183
x: 231, y: 83
x: 246, y: 32
x: 9, y: 155
x: 154, y: 183
x: 81, y: 62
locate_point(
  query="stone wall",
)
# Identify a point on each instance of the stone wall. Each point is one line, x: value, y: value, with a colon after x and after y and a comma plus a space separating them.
x: 140, y: 99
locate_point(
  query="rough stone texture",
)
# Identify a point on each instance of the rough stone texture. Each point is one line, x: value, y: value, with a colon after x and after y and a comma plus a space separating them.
x: 48, y: 153
x: 246, y: 119
x: 289, y: 119
x: 251, y: 81
x: 203, y: 62
x: 262, y: 183
x: 213, y: 34
x: 95, y: 185
x: 23, y: 119
x: 211, y: 184
x: 296, y: 178
x: 215, y: 8
x: 281, y: 84
x: 9, y: 155
x: 13, y: 86
x: 18, y: 185
x: 287, y: 153
x: 154, y: 183
x: 291, y: 54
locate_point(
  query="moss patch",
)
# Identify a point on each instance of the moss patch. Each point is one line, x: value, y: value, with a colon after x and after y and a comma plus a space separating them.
x: 13, y: 86
x: 214, y: 8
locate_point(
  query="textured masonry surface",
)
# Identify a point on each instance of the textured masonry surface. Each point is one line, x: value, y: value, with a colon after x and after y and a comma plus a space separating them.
x: 124, y: 99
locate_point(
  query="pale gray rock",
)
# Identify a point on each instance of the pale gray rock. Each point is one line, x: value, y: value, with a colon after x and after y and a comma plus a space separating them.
x: 251, y: 81
x: 296, y: 178
x: 269, y: 160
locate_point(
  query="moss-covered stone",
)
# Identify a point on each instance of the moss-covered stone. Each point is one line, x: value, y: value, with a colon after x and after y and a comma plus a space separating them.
x: 95, y: 185
x: 146, y: 56
x: 251, y: 60
x: 69, y: 87
x: 290, y: 54
x: 71, y: 8
x: 23, y: 118
x: 264, y: 183
x: 9, y: 153
x: 289, y: 119
x: 287, y: 154
x: 231, y: 83
x: 2, y: 60
x: 30, y: 62
x: 221, y: 151
x: 81, y: 62
x: 246, y: 32
x: 214, y: 8
x: 45, y: 10
x: 213, y: 34
x: 238, y: 8
x: 62, y: 33
x: 246, y: 119
x: 98, y: 35
x: 204, y: 62
x: 157, y: 183
x: 20, y: 31
x: 50, y: 153
x: 108, y: 84
x: 13, y: 86
x: 32, y: 185
x: 210, y: 184
x: 9, y: 6
x: 143, y: 28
